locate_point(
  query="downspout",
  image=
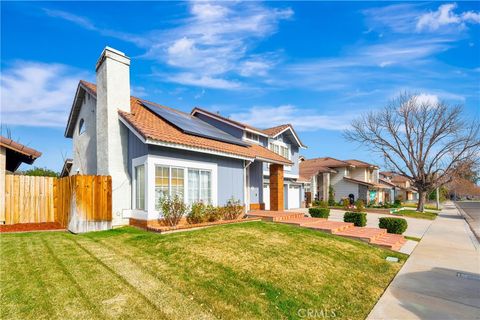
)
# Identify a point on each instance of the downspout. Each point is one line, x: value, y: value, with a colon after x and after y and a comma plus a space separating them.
x: 246, y: 164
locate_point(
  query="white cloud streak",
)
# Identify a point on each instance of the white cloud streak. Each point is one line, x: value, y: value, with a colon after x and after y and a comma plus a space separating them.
x: 38, y: 94
x: 301, y: 118
x: 444, y: 16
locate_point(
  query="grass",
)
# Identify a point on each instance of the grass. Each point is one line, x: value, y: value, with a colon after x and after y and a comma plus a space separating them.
x: 414, y: 205
x: 412, y: 238
x: 428, y: 215
x: 241, y: 271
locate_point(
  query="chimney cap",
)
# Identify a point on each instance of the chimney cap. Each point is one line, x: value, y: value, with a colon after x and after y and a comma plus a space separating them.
x: 117, y: 55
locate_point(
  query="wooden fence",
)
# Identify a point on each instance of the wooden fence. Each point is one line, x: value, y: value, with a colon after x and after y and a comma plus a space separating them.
x: 31, y: 199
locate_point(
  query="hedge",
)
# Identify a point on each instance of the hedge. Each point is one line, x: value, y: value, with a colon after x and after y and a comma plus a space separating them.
x: 359, y: 219
x: 393, y: 225
x: 319, y: 212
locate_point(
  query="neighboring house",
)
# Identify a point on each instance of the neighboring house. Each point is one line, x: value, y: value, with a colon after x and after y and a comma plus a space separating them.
x: 348, y: 178
x: 12, y: 155
x: 404, y: 189
x: 67, y: 168
x: 152, y: 151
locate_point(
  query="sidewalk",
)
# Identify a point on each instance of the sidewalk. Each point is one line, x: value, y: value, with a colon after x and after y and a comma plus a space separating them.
x: 441, y: 279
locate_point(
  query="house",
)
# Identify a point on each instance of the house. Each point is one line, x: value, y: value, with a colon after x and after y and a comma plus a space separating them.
x: 404, y: 188
x: 349, y: 179
x: 152, y: 151
x: 12, y: 155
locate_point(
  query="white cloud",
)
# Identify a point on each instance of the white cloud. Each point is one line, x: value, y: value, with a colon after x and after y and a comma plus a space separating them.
x: 427, y: 99
x: 203, y: 81
x: 302, y: 119
x: 444, y: 16
x: 38, y: 94
x: 210, y: 44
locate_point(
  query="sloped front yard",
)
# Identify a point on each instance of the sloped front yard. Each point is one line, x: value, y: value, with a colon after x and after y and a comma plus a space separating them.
x: 242, y: 271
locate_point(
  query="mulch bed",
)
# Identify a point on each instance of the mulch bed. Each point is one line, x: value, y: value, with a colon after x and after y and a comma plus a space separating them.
x: 180, y: 227
x: 26, y: 227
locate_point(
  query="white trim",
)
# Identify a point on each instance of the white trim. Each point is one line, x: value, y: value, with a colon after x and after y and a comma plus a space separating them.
x: 135, y: 163
x: 154, y: 160
x: 181, y: 146
x: 294, y: 135
x: 228, y: 122
x: 285, y: 175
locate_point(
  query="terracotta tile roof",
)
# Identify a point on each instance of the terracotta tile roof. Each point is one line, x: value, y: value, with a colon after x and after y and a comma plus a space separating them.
x: 388, y: 183
x: 20, y: 148
x: 399, y: 178
x: 276, y: 130
x: 308, y: 169
x: 16, y: 153
x: 326, y: 162
x: 370, y: 184
x: 360, y: 164
x: 151, y: 126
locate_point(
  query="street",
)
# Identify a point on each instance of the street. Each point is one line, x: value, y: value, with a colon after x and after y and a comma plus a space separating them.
x: 471, y: 211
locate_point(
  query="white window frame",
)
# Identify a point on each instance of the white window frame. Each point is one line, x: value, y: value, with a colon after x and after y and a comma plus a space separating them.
x: 245, y: 137
x: 136, y: 213
x: 150, y: 161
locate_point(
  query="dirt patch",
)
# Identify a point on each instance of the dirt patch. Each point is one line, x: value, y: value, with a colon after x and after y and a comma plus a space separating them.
x: 26, y: 227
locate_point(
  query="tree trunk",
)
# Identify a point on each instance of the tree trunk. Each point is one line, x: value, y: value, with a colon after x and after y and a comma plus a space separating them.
x: 422, y: 195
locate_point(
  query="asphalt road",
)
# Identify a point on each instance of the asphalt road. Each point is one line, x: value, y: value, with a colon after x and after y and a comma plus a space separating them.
x: 471, y: 211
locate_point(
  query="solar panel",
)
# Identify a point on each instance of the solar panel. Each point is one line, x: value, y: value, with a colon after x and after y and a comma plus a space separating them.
x: 192, y: 125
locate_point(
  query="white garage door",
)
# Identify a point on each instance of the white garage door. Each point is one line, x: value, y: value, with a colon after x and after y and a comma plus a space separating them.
x: 293, y: 197
x: 266, y: 196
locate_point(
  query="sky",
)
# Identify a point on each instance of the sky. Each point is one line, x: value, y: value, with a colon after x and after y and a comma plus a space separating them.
x: 316, y: 65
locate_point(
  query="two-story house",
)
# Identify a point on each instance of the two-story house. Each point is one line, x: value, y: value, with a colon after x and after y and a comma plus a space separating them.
x: 152, y: 151
x: 353, y: 179
x: 404, y: 190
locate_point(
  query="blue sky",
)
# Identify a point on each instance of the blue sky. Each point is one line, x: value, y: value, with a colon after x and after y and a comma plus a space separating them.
x: 316, y: 65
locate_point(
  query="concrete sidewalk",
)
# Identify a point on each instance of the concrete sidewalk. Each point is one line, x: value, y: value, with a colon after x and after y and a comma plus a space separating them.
x: 441, y: 279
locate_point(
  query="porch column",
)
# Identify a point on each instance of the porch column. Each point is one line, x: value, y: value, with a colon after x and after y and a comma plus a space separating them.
x: 276, y: 187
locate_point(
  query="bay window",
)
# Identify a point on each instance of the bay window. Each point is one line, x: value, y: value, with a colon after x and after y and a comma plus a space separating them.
x: 140, y: 187
x: 170, y: 182
x: 199, y: 186
x: 284, y: 151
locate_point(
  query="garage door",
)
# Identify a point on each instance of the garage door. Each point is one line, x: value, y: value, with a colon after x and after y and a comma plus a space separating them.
x: 293, y: 197
x: 266, y: 195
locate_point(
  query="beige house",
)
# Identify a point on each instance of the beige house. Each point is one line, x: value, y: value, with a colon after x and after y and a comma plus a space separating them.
x: 352, y: 179
x: 404, y: 189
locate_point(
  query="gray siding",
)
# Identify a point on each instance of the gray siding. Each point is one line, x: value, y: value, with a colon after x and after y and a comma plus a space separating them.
x: 236, y: 132
x: 287, y: 138
x: 85, y: 144
x: 136, y: 148
x: 230, y: 171
x: 256, y: 182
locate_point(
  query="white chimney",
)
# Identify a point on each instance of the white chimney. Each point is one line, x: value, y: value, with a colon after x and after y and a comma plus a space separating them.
x: 113, y: 94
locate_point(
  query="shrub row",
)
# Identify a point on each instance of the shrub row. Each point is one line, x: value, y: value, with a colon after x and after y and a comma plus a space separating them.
x: 318, y: 212
x: 174, y: 209
x: 393, y: 225
x: 359, y: 219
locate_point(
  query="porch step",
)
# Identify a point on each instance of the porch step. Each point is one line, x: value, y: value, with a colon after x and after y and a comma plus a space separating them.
x: 275, y: 216
x: 303, y: 221
x: 390, y: 241
x: 330, y: 226
x: 362, y: 233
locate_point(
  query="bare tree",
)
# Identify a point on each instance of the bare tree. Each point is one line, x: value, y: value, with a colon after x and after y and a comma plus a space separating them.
x: 422, y: 140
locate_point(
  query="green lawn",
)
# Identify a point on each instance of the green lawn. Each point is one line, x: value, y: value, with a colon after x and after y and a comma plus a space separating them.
x: 242, y: 271
x: 419, y: 215
x: 414, y: 205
